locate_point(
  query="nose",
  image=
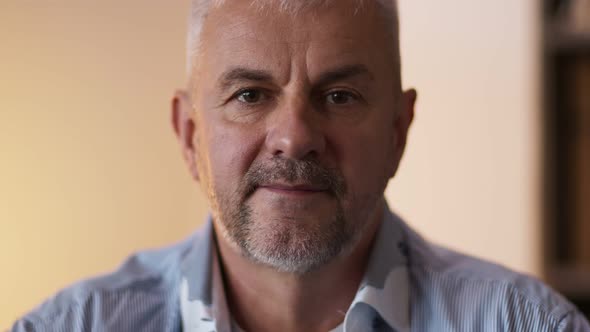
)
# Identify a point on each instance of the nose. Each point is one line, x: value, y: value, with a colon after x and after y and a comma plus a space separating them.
x: 294, y: 131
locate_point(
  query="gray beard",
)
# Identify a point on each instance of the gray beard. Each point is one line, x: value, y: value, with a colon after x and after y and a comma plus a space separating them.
x: 291, y: 247
x: 288, y: 245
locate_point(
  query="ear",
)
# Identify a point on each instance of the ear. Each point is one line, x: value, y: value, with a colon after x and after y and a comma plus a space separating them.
x: 184, y: 127
x: 402, y: 123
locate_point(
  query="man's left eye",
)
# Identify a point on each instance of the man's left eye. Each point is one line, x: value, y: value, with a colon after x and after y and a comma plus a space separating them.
x: 250, y: 96
x: 340, y: 98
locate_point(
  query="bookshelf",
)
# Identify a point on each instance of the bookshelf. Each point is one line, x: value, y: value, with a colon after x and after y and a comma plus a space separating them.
x: 566, y: 100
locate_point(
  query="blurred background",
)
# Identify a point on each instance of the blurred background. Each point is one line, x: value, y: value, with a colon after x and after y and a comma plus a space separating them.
x: 498, y: 161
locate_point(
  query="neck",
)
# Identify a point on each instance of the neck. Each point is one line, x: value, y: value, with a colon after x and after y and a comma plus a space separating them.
x: 261, y: 298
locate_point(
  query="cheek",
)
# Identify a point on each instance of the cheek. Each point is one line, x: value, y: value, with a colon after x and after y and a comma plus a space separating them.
x: 230, y: 151
x: 364, y: 157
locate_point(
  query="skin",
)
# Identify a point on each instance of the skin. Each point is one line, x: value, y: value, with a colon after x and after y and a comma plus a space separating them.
x: 355, y: 123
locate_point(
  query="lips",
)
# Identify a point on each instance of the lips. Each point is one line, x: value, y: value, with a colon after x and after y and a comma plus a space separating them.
x: 288, y: 188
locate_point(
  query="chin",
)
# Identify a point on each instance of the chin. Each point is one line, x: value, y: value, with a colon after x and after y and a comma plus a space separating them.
x: 293, y: 241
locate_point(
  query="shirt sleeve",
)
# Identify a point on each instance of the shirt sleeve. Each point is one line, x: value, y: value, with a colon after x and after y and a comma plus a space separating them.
x: 574, y: 321
x: 26, y: 325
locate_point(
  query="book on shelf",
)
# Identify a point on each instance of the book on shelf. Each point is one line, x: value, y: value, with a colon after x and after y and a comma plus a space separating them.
x: 580, y: 171
x: 579, y: 15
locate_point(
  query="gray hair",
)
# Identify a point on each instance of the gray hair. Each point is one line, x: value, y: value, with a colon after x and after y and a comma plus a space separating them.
x: 200, y: 8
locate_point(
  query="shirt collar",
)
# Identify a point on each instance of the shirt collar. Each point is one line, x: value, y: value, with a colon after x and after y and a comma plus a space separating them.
x: 385, y: 287
x: 382, y: 296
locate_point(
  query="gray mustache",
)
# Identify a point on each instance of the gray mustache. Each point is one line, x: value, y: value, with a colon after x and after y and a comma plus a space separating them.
x: 307, y: 172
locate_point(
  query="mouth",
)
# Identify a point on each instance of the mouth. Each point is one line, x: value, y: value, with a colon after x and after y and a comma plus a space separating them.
x: 288, y: 189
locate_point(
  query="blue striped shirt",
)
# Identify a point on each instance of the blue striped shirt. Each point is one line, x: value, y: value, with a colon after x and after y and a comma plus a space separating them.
x: 409, y: 285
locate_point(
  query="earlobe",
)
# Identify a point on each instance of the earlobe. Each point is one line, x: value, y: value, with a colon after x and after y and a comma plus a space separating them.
x: 410, y: 96
x: 184, y: 128
x: 402, y: 124
x: 405, y: 115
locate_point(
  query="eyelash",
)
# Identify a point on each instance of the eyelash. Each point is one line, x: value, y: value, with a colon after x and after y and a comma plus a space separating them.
x: 353, y: 95
x: 241, y: 92
x: 264, y: 94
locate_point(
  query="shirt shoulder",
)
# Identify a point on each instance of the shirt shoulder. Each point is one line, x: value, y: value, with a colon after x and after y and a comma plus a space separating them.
x: 140, y: 295
x: 471, y: 293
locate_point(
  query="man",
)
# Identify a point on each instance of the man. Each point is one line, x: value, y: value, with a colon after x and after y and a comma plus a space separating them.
x: 293, y: 121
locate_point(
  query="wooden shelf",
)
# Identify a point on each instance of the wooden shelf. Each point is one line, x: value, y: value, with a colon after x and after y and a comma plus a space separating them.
x: 572, y: 281
x: 566, y: 57
x: 560, y: 39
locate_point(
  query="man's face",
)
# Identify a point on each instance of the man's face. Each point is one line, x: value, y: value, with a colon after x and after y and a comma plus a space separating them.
x: 296, y: 128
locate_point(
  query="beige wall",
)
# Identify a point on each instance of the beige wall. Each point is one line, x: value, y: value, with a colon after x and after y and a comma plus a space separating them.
x: 90, y: 171
x: 471, y: 177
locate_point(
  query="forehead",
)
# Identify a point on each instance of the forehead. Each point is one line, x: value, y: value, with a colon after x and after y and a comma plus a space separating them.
x: 238, y: 33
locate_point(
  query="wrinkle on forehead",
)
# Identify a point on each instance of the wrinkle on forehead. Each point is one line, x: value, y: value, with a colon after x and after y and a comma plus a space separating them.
x: 294, y: 7
x: 291, y: 47
x: 200, y: 9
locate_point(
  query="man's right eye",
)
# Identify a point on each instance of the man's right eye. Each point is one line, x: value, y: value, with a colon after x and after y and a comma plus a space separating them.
x: 249, y: 96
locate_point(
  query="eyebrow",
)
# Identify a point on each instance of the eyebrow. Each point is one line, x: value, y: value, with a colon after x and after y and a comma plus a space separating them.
x: 343, y: 73
x: 238, y: 74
